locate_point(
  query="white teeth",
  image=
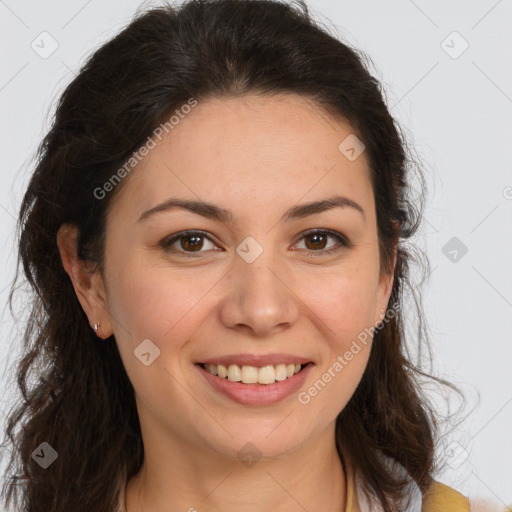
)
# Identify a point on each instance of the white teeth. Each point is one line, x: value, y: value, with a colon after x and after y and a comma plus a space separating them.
x: 234, y: 373
x: 221, y: 370
x: 281, y: 372
x: 249, y: 374
x: 266, y: 375
x: 252, y: 375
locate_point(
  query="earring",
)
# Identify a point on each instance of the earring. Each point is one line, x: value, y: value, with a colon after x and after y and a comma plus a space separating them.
x: 96, y: 327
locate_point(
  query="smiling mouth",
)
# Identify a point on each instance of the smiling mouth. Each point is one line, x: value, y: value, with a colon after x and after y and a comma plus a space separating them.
x: 265, y: 375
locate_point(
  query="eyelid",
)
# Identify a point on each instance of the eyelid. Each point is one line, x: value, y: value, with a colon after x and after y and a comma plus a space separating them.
x: 168, y: 241
x: 334, y: 234
x: 343, y: 241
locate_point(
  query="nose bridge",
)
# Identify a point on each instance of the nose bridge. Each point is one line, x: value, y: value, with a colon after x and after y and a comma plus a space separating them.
x: 259, y: 298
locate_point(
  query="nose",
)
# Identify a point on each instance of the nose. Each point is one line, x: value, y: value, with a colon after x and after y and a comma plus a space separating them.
x: 259, y: 299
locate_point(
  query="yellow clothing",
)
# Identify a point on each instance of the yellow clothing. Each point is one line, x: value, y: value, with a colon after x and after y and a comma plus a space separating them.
x: 440, y: 498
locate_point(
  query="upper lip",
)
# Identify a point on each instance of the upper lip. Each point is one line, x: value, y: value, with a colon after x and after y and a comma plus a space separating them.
x: 256, y: 360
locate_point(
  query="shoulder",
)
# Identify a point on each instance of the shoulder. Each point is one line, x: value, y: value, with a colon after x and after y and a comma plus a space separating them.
x: 441, y: 498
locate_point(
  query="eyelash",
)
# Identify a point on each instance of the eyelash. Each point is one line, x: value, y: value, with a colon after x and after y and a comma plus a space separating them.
x: 343, y: 242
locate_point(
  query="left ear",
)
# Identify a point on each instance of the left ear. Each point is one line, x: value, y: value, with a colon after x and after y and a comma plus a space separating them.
x: 384, y: 290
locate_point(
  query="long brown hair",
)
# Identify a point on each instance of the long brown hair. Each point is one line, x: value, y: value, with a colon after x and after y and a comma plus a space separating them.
x: 75, y: 393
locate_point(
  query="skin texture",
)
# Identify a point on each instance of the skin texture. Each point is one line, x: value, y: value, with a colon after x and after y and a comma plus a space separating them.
x: 256, y: 156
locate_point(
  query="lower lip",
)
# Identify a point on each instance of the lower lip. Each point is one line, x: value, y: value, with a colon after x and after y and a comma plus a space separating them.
x: 257, y: 394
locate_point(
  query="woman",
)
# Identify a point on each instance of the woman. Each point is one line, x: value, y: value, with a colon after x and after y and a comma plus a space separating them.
x: 215, y: 233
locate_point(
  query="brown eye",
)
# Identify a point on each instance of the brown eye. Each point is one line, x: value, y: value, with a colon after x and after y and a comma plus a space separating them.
x: 316, y: 242
x: 187, y: 242
x: 191, y: 242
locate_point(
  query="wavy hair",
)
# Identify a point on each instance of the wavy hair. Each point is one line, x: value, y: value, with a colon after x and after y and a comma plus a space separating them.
x: 75, y: 392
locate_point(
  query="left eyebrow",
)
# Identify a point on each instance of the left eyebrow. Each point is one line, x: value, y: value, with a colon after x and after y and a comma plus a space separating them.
x: 212, y: 211
x: 303, y: 210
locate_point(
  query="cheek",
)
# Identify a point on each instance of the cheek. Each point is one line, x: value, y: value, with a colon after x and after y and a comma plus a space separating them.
x: 155, y: 301
x: 343, y: 302
x: 342, y: 308
x: 151, y: 302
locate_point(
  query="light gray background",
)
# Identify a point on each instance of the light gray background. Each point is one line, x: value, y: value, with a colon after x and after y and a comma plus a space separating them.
x: 458, y: 114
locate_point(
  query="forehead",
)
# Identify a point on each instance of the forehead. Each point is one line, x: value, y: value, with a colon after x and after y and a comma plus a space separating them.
x: 250, y: 148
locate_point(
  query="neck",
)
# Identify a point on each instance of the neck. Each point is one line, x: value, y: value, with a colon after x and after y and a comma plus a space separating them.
x: 197, y: 480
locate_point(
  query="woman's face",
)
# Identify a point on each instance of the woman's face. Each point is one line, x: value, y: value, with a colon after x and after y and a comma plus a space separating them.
x: 251, y: 287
